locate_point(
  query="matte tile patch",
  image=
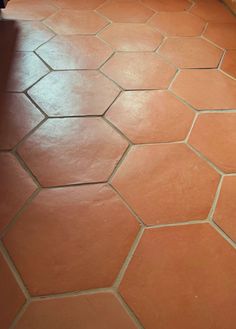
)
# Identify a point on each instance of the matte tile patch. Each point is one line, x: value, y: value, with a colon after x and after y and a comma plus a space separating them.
x: 117, y: 164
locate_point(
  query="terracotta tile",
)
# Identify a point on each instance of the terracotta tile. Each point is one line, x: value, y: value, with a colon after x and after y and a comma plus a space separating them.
x: 100, y: 311
x: 28, y: 10
x: 174, y: 185
x: 139, y: 70
x: 167, y: 5
x: 224, y: 215
x: 78, y: 5
x: 16, y: 187
x: 206, y: 89
x: 71, y: 151
x: 229, y: 63
x: 214, y: 135
x: 84, y: 93
x: 75, y: 52
x: 18, y: 117
x: 26, y: 70
x: 76, y: 22
x: 213, y: 11
x: 191, y: 279
x: 131, y: 37
x: 126, y: 11
x: 224, y: 35
x: 12, y: 298
x: 191, y: 53
x: 171, y: 24
x: 158, y: 116
x: 84, y: 251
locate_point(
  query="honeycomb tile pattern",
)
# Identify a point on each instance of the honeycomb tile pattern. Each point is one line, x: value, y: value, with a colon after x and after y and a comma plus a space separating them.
x: 117, y: 165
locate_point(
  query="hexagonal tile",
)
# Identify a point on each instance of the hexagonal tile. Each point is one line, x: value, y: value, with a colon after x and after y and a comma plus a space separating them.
x: 26, y: 70
x: 28, y: 10
x: 84, y: 93
x: 16, y: 187
x: 18, y: 117
x: 191, y: 53
x: 126, y: 11
x: 157, y: 116
x: 224, y: 35
x: 229, y: 63
x: 75, y: 52
x: 11, y: 298
x: 139, y: 70
x: 82, y: 246
x: 214, y: 135
x: 167, y: 5
x: 224, y: 215
x: 206, y: 89
x: 191, y: 273
x: 131, y: 37
x: 171, y: 24
x: 74, y: 150
x: 76, y: 22
x: 174, y: 185
x: 78, y: 5
x: 101, y: 310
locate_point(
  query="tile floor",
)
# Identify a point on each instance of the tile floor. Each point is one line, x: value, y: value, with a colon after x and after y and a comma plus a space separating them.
x: 118, y: 166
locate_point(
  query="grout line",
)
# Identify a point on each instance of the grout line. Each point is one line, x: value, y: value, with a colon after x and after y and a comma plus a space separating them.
x: 117, y: 130
x: 19, y: 314
x: 128, y: 259
x: 217, y: 194
x: 191, y: 222
x: 119, y: 163
x: 191, y: 128
x: 223, y: 234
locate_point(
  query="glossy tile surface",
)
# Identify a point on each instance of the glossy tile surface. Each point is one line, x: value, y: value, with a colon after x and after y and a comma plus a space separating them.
x: 214, y: 135
x: 224, y: 215
x: 222, y: 34
x: 16, y: 187
x: 102, y: 311
x: 139, y: 70
x: 191, y: 53
x: 18, y: 117
x: 84, y: 93
x: 78, y: 5
x: 75, y: 52
x: 72, y: 151
x: 167, y: 5
x: 151, y: 116
x: 169, y: 257
x: 206, y: 89
x: 11, y: 298
x: 174, y: 185
x: 74, y: 233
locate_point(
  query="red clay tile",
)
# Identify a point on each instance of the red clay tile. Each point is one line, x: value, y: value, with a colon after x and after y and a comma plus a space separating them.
x: 214, y: 135
x: 80, y: 237
x: 171, y: 24
x: 11, y: 298
x: 151, y: 116
x: 229, y: 63
x: 27, y: 69
x: 75, y: 52
x: 224, y: 35
x: 224, y: 215
x: 78, y: 5
x: 139, y: 70
x: 16, y: 187
x: 100, y: 311
x: 84, y: 93
x: 71, y: 151
x: 166, y: 183
x: 212, y: 11
x: 18, y: 117
x: 76, y: 22
x: 182, y: 277
x: 28, y: 10
x: 126, y: 11
x: 167, y: 5
x: 206, y: 89
x: 191, y: 53
x: 131, y: 37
